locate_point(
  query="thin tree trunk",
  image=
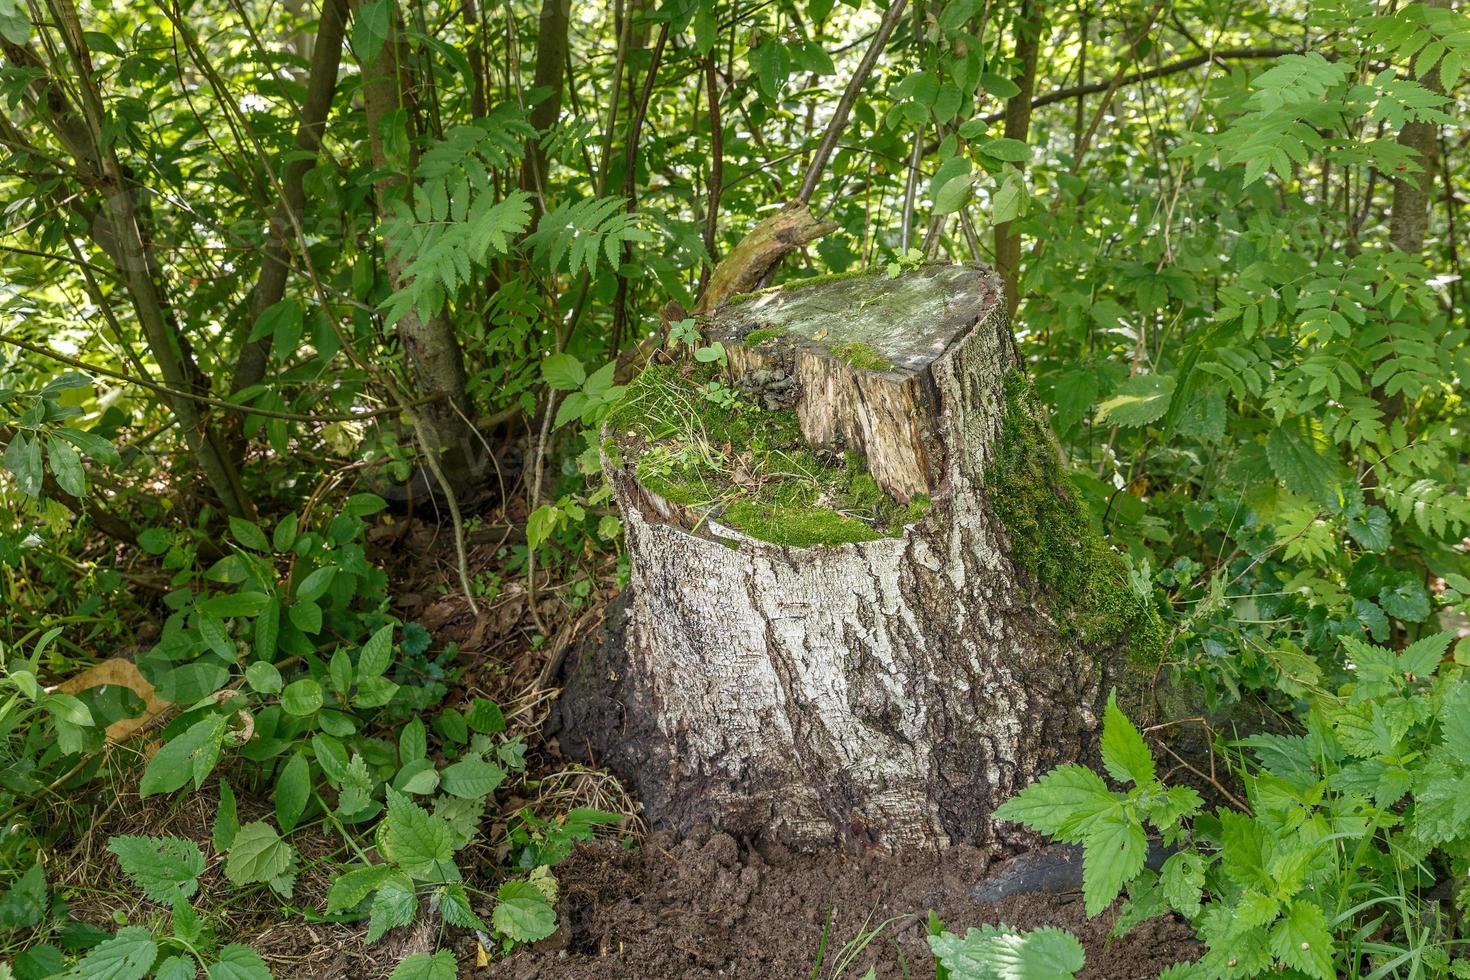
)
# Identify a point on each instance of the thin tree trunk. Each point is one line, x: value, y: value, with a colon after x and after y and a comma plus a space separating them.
x: 275, y: 259
x: 1409, y: 217
x: 1030, y: 23
x: 551, y: 58
x: 435, y: 359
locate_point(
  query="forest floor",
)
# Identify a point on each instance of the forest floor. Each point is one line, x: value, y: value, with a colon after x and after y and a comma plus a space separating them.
x: 631, y: 906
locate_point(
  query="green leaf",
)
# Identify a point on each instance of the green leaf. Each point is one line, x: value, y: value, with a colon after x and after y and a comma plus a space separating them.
x: 302, y: 697
x: 263, y: 677
x: 1454, y: 720
x: 370, y: 31
x: 1370, y: 528
x: 258, y: 854
x: 999, y: 86
x: 163, y: 868
x: 91, y: 445
x: 394, y: 905
x: 1002, y: 953
x: 1297, y: 463
x: 315, y: 585
x: 1141, y: 399
x: 66, y: 466
x: 1183, y: 880
x: 1006, y: 205
x: 424, y: 966
x: 540, y: 524
x: 454, y: 904
x: 306, y: 616
x: 376, y: 653
x: 226, y: 819
x: 472, y: 779
x: 413, y: 742
x: 191, y: 682
x: 349, y: 890
x: 238, y: 962
x: 234, y: 605
x: 1112, y: 856
x: 172, y: 765
x: 249, y: 535
x: 1062, y: 803
x: 23, y: 459
x: 284, y: 535
x: 127, y: 956
x: 417, y: 778
x: 522, y: 912
x: 1125, y: 755
x: 952, y: 195
x: 485, y: 717
x: 563, y: 372
x: 1406, y: 599
x: 1303, y: 942
x: 1009, y: 150
x: 177, y: 968
x: 14, y: 26
x: 1422, y: 657
x: 421, y: 844
x: 24, y: 903
x: 293, y: 789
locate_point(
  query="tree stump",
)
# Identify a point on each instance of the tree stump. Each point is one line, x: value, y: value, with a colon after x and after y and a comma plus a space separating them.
x: 885, y: 693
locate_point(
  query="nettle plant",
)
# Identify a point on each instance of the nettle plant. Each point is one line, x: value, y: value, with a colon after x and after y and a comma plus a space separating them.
x: 1347, y: 856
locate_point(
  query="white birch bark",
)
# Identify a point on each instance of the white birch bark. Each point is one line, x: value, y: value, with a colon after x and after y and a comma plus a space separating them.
x: 885, y: 694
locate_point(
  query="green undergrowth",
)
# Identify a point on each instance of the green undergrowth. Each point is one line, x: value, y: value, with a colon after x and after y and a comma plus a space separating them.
x: 1084, y: 581
x: 702, y: 445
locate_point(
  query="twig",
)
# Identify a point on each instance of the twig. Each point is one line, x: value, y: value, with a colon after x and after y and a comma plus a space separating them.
x: 432, y: 461
x: 205, y: 399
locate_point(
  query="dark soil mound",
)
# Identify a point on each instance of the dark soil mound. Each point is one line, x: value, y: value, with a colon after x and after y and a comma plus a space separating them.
x: 710, y: 907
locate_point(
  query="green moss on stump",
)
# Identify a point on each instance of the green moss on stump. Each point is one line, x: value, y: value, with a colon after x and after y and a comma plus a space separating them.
x: 761, y: 336
x: 863, y: 356
x: 748, y: 467
x: 1084, y: 581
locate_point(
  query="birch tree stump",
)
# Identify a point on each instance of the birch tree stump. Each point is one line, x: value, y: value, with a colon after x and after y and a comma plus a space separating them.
x: 887, y: 693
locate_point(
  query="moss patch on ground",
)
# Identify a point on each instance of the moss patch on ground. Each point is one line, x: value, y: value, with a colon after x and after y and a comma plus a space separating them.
x: 746, y: 466
x: 1052, y: 539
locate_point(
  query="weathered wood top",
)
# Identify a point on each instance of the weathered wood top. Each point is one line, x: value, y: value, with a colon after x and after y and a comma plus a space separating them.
x: 908, y: 321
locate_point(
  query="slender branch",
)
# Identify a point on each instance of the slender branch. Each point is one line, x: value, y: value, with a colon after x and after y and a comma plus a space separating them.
x: 1172, y: 68
x: 855, y: 86
x: 630, y: 179
x: 716, y: 170
x: 162, y: 389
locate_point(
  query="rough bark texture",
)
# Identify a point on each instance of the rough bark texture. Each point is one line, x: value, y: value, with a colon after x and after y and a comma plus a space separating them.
x: 885, y: 694
x: 1409, y: 213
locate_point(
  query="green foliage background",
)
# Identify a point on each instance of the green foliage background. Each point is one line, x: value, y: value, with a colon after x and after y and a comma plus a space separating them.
x: 1234, y: 235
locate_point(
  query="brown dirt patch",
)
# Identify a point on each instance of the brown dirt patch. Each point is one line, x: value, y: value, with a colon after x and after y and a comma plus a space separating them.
x: 709, y: 907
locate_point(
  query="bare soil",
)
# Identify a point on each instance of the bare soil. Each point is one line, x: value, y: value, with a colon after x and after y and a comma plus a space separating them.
x: 709, y: 907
